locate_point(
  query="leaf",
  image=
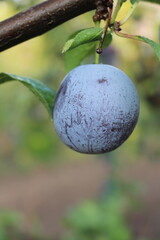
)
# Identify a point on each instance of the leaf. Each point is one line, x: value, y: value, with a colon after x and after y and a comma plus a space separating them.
x: 82, y: 37
x: 74, y: 57
x: 133, y: 1
x: 154, y: 45
x: 45, y: 94
x: 107, y: 40
x: 152, y: 1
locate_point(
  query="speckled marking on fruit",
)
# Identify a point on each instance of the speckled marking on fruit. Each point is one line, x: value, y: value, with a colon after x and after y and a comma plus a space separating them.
x: 103, y: 80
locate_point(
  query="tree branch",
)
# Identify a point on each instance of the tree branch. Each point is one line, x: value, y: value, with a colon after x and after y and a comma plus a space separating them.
x: 40, y: 19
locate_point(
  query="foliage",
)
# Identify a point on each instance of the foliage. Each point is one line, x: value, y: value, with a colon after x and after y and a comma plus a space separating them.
x: 45, y: 94
x: 99, y: 220
x: 81, y: 37
x: 11, y: 227
x: 155, y: 46
x: 105, y: 218
x: 75, y: 56
x: 152, y: 1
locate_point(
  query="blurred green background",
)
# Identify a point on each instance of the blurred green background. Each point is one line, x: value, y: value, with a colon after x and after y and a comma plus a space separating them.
x: 29, y: 146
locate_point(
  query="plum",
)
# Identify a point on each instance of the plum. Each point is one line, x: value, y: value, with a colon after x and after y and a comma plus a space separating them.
x: 96, y: 108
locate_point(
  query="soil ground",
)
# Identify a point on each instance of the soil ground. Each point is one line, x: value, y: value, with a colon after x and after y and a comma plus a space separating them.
x: 48, y: 194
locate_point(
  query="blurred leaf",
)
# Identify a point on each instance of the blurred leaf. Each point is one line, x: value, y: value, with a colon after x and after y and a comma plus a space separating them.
x: 9, y: 218
x: 98, y: 220
x: 154, y: 45
x: 82, y: 37
x: 45, y: 94
x: 152, y: 1
x: 133, y: 1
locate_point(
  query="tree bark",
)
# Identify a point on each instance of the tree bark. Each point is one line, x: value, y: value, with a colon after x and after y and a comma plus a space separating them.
x: 40, y: 19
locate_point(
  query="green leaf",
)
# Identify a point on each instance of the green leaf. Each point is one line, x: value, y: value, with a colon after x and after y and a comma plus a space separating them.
x: 133, y: 1
x: 45, y: 94
x: 152, y: 1
x: 107, y: 40
x: 74, y: 57
x: 154, y: 45
x: 82, y: 37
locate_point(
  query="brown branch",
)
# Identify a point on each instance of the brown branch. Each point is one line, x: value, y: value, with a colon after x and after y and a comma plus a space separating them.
x: 40, y: 19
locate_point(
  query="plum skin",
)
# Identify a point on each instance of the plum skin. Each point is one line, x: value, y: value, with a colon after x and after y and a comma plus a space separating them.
x: 96, y: 108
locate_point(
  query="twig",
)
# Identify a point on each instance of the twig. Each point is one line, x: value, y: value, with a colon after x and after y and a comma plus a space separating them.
x: 99, y: 49
x: 40, y: 19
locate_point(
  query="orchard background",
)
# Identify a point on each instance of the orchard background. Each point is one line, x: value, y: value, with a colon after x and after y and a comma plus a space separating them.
x: 51, y: 192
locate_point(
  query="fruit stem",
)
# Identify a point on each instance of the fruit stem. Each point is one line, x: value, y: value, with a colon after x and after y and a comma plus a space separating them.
x: 97, y: 24
x: 97, y: 55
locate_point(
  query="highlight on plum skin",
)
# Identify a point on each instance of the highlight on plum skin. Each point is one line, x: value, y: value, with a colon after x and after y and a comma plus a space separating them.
x: 96, y: 108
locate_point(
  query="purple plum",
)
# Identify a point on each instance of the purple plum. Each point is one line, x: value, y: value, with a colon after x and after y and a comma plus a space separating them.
x: 96, y: 108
